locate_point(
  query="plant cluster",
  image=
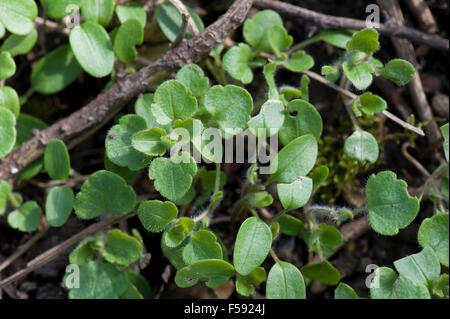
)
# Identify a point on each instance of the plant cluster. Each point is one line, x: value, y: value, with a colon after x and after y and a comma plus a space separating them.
x: 152, y: 139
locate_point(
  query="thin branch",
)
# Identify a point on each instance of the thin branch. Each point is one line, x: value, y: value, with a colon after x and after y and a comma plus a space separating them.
x: 103, y: 108
x: 327, y: 21
x: 413, y: 161
x: 50, y: 254
x: 351, y: 95
x: 184, y: 13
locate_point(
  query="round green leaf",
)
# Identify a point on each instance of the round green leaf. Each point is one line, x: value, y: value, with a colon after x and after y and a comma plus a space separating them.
x: 256, y: 29
x: 296, y: 194
x: 252, y: 245
x: 214, y: 272
x: 289, y: 225
x: 7, y: 65
x: 365, y: 40
x: 58, y: 9
x: 302, y: 118
x: 344, y: 291
x: 121, y: 249
x: 382, y: 284
x: 104, y: 193
x: 194, y: 79
x: 58, y: 205
x: 155, y: 215
x: 99, y: 11
x: 7, y: 131
x: 299, y: 61
x: 230, y: 107
x: 390, y: 206
x: 127, y: 174
x: 335, y: 37
x: 294, y: 160
x: 98, y: 280
x: 203, y: 245
x: 279, y: 39
x: 323, y: 240
x: 19, y: 44
x: 323, y: 272
x: 10, y: 100
x: 235, y: 62
x: 319, y: 175
x: 433, y: 233
x: 372, y: 103
x: 129, y: 34
x: 285, y: 281
x: 83, y: 253
x: 360, y: 75
x: 149, y: 141
x: 173, y: 101
x: 170, y: 20
x: 361, y: 146
x: 173, y: 179
x: 57, y: 160
x: 408, y: 289
x: 398, y: 71
x: 93, y: 49
x: 26, y: 218
x: 270, y: 118
x: 18, y: 15
x: 140, y: 283
x: 55, y: 71
x: 118, y: 143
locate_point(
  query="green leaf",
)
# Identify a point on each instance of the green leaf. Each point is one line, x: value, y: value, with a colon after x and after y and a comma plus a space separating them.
x: 83, y: 253
x: 10, y: 100
x: 7, y: 131
x: 173, y: 179
x: 319, y: 175
x: 260, y: 199
x: 382, y: 284
x: 360, y: 75
x: 344, y: 291
x: 365, y: 40
x: 398, y: 71
x: 32, y: 169
x: 127, y: 174
x: 170, y: 20
x: 323, y: 272
x: 58, y: 9
x: 26, y: 125
x: 98, y: 280
x: 2, y: 30
x: 444, y: 130
x: 7, y: 65
x: 149, y: 141
x: 57, y: 160
x: 18, y: 16
x: 55, y: 71
x: 214, y: 272
x: 252, y: 245
x: 208, y: 179
x: 302, y: 118
x: 279, y: 39
x: 323, y: 240
x: 270, y: 119
x: 173, y: 101
x: 142, y: 108
x: 155, y: 215
x: 361, y: 146
x: 433, y: 233
x: 104, y: 193
x: 20, y: 44
x: 26, y: 218
x: 296, y: 194
x: 372, y: 103
x: 193, y: 78
x: 289, y: 225
x: 129, y: 34
x: 131, y: 293
x: 5, y: 191
x: 140, y: 283
x: 440, y: 286
x: 285, y: 281
x: 236, y: 63
x: 119, y: 146
x: 99, y: 11
x: 335, y: 37
x: 294, y: 160
x: 203, y: 245
x: 256, y: 29
x: 299, y: 61
x: 59, y: 205
x: 178, y: 233
x: 93, y: 49
x: 245, y: 284
x: 121, y: 249
x: 390, y: 206
x: 269, y: 74
x: 408, y: 289
x: 422, y: 268
x: 230, y: 107
x: 133, y: 11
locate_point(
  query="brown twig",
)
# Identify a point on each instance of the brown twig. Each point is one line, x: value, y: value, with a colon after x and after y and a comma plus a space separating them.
x: 103, y: 108
x: 423, y: 14
x: 327, y: 21
x: 405, y: 50
x: 50, y: 254
x: 413, y: 161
